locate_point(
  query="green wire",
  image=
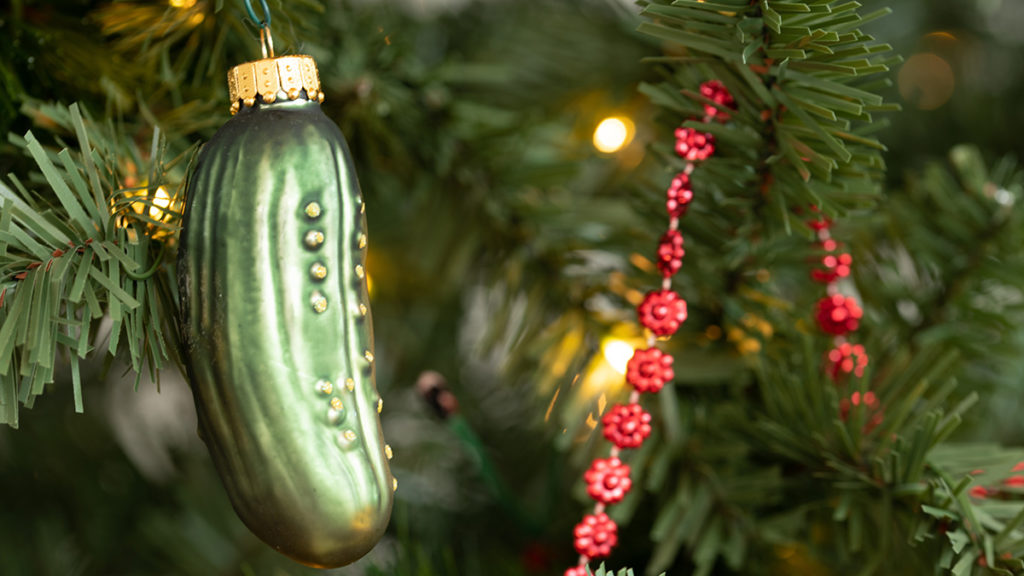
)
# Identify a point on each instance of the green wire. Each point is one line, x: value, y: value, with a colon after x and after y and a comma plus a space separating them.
x: 152, y: 269
x: 489, y: 473
x: 265, y: 23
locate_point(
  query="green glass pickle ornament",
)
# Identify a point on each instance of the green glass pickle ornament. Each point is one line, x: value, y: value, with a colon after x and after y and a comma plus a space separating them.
x: 276, y: 323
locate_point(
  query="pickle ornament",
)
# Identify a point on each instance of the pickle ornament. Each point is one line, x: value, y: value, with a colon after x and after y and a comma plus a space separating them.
x: 276, y: 324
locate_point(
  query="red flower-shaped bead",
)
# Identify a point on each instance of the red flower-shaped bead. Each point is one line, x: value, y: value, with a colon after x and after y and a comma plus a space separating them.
x: 847, y: 359
x: 821, y: 223
x: 662, y: 312
x: 1015, y: 481
x: 834, y: 264
x: 576, y: 571
x: 596, y: 535
x: 608, y: 480
x: 670, y: 253
x: 838, y: 314
x: 715, y: 91
x: 678, y: 195
x: 649, y: 369
x: 694, y: 145
x: 870, y: 401
x: 626, y: 426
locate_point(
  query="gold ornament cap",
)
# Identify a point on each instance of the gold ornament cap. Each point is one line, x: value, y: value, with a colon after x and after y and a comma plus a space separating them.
x: 271, y: 79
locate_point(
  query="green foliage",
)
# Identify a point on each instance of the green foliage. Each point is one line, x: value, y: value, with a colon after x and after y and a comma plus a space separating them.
x: 951, y: 281
x: 471, y: 147
x: 757, y: 469
x: 79, y: 252
x: 803, y: 77
x: 502, y: 250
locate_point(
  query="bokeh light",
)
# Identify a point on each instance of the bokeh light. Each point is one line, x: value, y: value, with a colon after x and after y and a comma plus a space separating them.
x: 926, y: 81
x: 617, y: 353
x: 160, y: 200
x: 613, y: 133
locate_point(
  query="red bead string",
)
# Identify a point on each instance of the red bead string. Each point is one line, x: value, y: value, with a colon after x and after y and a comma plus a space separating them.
x: 662, y: 312
x: 839, y: 315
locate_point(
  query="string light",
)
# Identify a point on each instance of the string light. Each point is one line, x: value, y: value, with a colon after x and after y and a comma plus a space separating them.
x: 613, y: 133
x: 161, y: 200
x: 617, y: 353
x: 156, y: 205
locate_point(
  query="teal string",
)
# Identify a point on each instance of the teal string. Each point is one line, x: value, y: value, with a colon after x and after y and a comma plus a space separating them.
x: 262, y: 23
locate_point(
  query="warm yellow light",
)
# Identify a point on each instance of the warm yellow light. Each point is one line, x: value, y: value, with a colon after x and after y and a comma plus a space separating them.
x: 926, y: 81
x: 160, y: 200
x: 184, y: 4
x: 617, y: 353
x: 369, y: 284
x: 613, y: 133
x: 941, y: 35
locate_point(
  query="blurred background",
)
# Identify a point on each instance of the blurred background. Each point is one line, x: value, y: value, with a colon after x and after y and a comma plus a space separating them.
x: 505, y: 233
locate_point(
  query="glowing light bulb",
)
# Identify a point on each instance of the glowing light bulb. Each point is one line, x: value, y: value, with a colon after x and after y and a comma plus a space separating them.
x: 613, y: 133
x: 183, y: 4
x: 617, y: 353
x: 160, y: 200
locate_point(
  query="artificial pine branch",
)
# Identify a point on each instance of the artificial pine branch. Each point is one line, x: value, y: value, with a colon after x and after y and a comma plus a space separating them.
x: 458, y: 132
x: 801, y: 74
x: 792, y: 143
x: 89, y: 249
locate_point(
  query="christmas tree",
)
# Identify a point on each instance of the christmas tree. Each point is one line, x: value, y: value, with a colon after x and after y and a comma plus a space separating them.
x: 842, y: 198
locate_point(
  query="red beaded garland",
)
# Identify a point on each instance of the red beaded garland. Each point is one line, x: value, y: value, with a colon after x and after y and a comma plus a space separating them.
x: 835, y: 264
x: 819, y: 224
x: 835, y: 267
x: 678, y: 195
x: 694, y: 145
x: 670, y: 253
x: 627, y: 426
x: 608, y: 480
x: 662, y: 312
x: 838, y: 314
x: 847, y: 358
x: 715, y: 91
x: 649, y: 369
x: 870, y: 401
x: 596, y: 535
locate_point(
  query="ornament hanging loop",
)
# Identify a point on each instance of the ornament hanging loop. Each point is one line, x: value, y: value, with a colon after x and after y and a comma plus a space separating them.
x: 266, y: 39
x: 266, y: 42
